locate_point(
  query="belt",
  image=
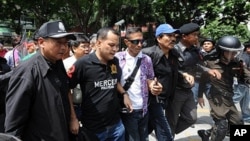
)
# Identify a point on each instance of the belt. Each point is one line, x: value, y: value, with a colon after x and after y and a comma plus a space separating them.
x: 137, y: 110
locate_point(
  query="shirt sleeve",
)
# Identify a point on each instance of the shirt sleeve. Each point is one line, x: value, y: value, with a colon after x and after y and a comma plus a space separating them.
x: 119, y: 70
x: 204, y: 80
x: 151, y: 74
x: 75, y: 73
x: 18, y: 103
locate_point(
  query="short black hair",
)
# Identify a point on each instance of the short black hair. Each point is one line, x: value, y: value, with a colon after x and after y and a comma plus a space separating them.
x: 131, y: 30
x: 103, y: 33
x: 247, y: 44
x: 208, y: 40
x: 80, y: 38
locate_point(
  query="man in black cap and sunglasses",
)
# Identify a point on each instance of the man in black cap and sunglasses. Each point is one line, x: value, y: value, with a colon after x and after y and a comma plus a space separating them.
x: 37, y: 104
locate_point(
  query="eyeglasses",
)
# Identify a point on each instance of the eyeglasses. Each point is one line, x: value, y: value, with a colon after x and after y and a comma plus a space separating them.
x: 136, y: 42
x: 85, y: 46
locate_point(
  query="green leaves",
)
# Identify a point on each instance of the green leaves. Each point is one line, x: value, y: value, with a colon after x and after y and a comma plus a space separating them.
x: 221, y: 17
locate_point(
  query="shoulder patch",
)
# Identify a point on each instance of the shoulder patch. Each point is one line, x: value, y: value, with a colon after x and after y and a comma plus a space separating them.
x: 71, y: 71
x: 113, y: 69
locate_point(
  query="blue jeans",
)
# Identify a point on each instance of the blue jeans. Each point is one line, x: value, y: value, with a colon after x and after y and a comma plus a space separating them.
x: 195, y: 90
x: 158, y: 121
x: 136, y: 126
x: 114, y: 133
x: 242, y: 96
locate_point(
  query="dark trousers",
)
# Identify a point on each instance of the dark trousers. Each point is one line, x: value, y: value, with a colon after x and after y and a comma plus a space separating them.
x: 2, y: 119
x: 224, y: 113
x: 158, y: 121
x: 136, y: 126
x: 225, y: 110
x: 181, y: 111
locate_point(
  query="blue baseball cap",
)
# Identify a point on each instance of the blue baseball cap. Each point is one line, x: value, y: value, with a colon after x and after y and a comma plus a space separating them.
x: 165, y: 28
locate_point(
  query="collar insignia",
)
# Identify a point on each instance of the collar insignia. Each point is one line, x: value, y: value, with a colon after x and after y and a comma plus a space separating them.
x: 113, y: 69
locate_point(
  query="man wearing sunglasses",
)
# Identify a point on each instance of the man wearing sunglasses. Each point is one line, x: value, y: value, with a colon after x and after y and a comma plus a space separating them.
x: 136, y: 120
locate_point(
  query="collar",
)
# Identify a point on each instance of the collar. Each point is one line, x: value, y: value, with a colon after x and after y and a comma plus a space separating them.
x: 159, y: 51
x: 182, y: 47
x: 43, y: 64
x: 93, y: 58
x: 128, y: 56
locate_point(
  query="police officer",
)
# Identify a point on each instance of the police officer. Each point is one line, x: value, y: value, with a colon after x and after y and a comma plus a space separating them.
x: 223, y: 109
x: 37, y: 104
x: 182, y: 111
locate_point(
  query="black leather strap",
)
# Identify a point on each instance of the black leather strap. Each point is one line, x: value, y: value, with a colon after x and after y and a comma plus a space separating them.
x: 131, y: 78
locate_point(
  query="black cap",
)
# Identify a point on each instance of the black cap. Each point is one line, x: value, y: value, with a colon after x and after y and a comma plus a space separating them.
x: 35, y: 35
x: 189, y: 28
x: 54, y: 29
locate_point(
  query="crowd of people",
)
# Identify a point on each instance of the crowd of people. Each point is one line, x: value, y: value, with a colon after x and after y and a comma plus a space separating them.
x: 71, y: 87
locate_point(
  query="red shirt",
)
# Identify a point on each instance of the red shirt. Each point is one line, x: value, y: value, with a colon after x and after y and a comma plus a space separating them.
x: 3, y: 52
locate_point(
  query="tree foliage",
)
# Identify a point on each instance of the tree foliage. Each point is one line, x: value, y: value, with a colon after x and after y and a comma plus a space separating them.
x: 226, y: 18
x: 217, y: 17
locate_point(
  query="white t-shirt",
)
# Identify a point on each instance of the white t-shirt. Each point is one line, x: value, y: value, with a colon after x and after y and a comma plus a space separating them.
x: 135, y: 89
x: 68, y: 62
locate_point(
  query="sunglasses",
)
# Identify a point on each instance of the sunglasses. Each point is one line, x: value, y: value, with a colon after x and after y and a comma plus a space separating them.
x: 136, y: 42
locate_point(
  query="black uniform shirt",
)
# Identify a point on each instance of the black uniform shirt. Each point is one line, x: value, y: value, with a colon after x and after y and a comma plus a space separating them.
x: 166, y: 69
x: 224, y: 85
x: 98, y: 82
x: 189, y: 58
x: 37, y: 105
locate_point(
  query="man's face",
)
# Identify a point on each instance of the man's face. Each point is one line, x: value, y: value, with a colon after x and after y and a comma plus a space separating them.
x: 167, y: 41
x: 106, y: 48
x: 230, y: 55
x: 134, y: 43
x: 53, y: 49
x: 82, y: 49
x: 207, y: 46
x: 192, y: 38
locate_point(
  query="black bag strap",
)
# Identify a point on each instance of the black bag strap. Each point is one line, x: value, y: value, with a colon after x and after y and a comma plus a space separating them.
x: 131, y: 78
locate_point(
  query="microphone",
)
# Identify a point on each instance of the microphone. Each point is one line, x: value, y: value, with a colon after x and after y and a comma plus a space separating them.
x: 120, y: 22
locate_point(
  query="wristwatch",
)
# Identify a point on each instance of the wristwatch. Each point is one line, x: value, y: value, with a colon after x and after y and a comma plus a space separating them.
x: 123, y: 93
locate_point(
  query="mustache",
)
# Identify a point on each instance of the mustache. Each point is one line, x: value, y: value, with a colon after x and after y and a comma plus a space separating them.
x: 173, y: 42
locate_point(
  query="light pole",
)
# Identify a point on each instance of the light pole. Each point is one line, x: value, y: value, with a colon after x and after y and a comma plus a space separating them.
x: 119, y: 23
